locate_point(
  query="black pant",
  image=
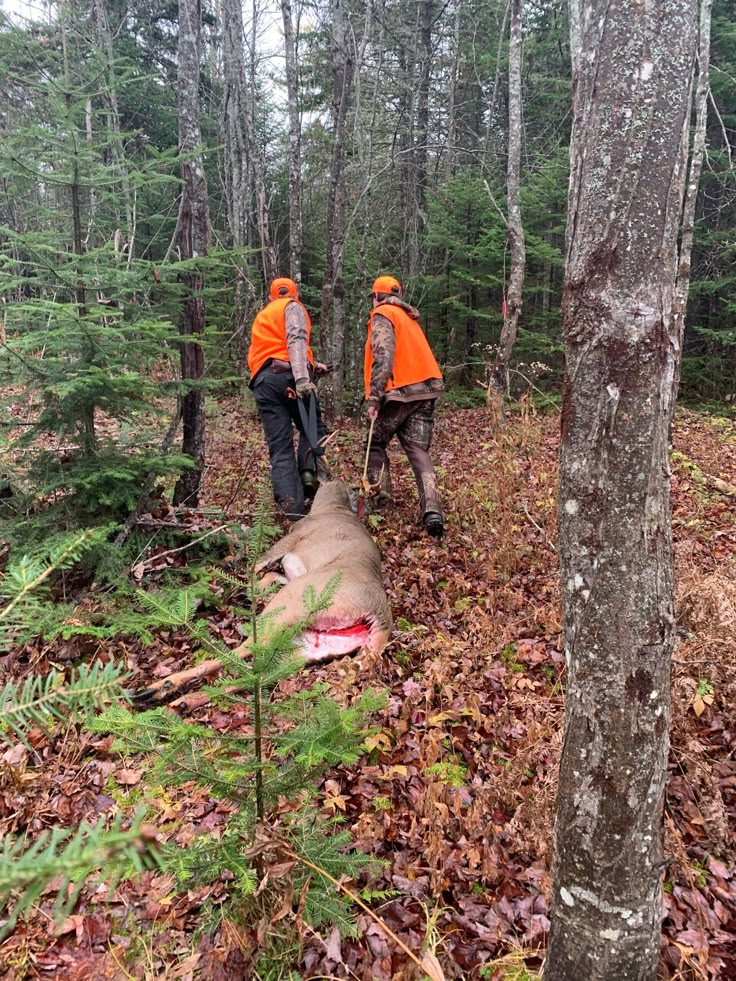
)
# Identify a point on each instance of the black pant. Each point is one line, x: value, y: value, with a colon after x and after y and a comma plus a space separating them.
x: 278, y: 412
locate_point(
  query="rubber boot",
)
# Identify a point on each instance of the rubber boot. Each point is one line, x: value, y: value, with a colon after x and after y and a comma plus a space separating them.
x: 433, y: 523
x: 310, y: 483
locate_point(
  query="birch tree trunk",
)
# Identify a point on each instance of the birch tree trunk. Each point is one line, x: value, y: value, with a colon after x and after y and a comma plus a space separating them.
x: 238, y: 153
x: 453, y: 87
x: 426, y: 17
x: 194, y: 237
x: 630, y: 117
x: 696, y: 167
x: 514, y: 294
x: 332, y: 317
x: 295, y: 189
x: 239, y: 158
x: 576, y: 25
x: 269, y: 263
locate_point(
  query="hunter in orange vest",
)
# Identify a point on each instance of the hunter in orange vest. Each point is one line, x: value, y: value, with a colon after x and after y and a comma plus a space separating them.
x: 282, y: 370
x: 402, y: 384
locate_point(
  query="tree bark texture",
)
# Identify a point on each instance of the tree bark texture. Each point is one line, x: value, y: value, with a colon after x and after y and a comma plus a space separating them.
x: 426, y: 20
x: 194, y: 237
x: 238, y: 152
x: 575, y: 15
x: 239, y: 165
x: 696, y: 167
x: 515, y: 230
x: 630, y: 116
x: 631, y: 110
x: 269, y: 262
x: 332, y: 318
x: 295, y: 188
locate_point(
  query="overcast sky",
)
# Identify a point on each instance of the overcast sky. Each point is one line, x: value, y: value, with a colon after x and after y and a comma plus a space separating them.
x: 270, y: 33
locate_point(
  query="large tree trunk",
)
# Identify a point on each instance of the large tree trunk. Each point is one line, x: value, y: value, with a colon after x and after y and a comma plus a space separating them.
x: 514, y: 294
x: 332, y: 318
x: 295, y: 189
x: 631, y: 111
x: 194, y: 237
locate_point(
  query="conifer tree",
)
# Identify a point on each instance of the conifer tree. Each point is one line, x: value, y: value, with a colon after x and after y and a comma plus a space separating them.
x: 81, y: 330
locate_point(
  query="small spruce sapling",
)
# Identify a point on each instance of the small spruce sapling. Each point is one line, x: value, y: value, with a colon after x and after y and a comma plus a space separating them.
x: 288, y: 744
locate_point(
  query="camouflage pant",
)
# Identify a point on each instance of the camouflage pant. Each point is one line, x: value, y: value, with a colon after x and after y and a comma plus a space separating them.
x: 413, y: 424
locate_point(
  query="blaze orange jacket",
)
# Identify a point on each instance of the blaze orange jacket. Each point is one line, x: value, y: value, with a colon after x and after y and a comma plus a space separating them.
x: 413, y: 358
x: 268, y: 335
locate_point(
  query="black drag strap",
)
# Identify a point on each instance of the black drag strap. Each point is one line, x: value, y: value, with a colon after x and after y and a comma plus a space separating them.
x: 308, y: 415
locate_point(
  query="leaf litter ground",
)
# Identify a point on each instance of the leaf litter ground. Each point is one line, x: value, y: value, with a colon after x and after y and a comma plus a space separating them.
x: 456, y: 792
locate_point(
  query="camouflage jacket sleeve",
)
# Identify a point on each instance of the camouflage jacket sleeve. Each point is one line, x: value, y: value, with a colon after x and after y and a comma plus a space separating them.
x: 296, y: 340
x: 383, y: 346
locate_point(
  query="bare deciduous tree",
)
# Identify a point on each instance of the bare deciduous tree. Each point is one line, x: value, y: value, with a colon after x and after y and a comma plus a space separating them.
x: 514, y: 294
x: 194, y: 239
x: 332, y: 319
x: 295, y: 189
x: 696, y: 167
x: 631, y: 114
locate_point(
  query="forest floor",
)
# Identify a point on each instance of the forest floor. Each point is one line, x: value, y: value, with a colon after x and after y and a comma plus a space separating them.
x: 457, y: 793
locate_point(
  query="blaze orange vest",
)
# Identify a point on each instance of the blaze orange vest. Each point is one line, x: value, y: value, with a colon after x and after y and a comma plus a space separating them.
x: 268, y: 335
x: 413, y: 358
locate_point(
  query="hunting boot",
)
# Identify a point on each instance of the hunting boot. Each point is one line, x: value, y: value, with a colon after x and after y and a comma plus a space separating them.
x: 310, y: 483
x: 431, y: 505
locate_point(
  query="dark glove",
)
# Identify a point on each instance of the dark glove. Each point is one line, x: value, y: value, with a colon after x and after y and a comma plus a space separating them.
x: 305, y: 387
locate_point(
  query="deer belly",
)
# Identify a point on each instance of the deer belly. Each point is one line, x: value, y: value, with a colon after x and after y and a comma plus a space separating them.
x: 322, y: 643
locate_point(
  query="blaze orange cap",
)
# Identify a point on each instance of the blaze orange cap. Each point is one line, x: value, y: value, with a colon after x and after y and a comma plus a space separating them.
x: 387, y: 284
x: 283, y: 287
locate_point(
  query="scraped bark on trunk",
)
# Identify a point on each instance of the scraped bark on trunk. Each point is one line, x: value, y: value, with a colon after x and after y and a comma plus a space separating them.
x: 514, y: 294
x: 295, y: 189
x: 631, y: 112
x: 332, y: 318
x: 194, y: 236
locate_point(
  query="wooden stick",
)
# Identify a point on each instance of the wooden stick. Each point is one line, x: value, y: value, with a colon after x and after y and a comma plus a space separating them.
x: 364, y: 480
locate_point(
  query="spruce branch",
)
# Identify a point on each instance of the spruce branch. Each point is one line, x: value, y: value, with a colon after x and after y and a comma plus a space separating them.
x: 28, y: 575
x: 71, y: 856
x: 42, y: 702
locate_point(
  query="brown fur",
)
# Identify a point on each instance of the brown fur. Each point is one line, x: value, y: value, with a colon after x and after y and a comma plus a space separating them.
x: 330, y: 541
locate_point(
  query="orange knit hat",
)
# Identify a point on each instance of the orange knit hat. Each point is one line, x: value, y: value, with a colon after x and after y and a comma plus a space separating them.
x: 387, y: 284
x: 283, y: 287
